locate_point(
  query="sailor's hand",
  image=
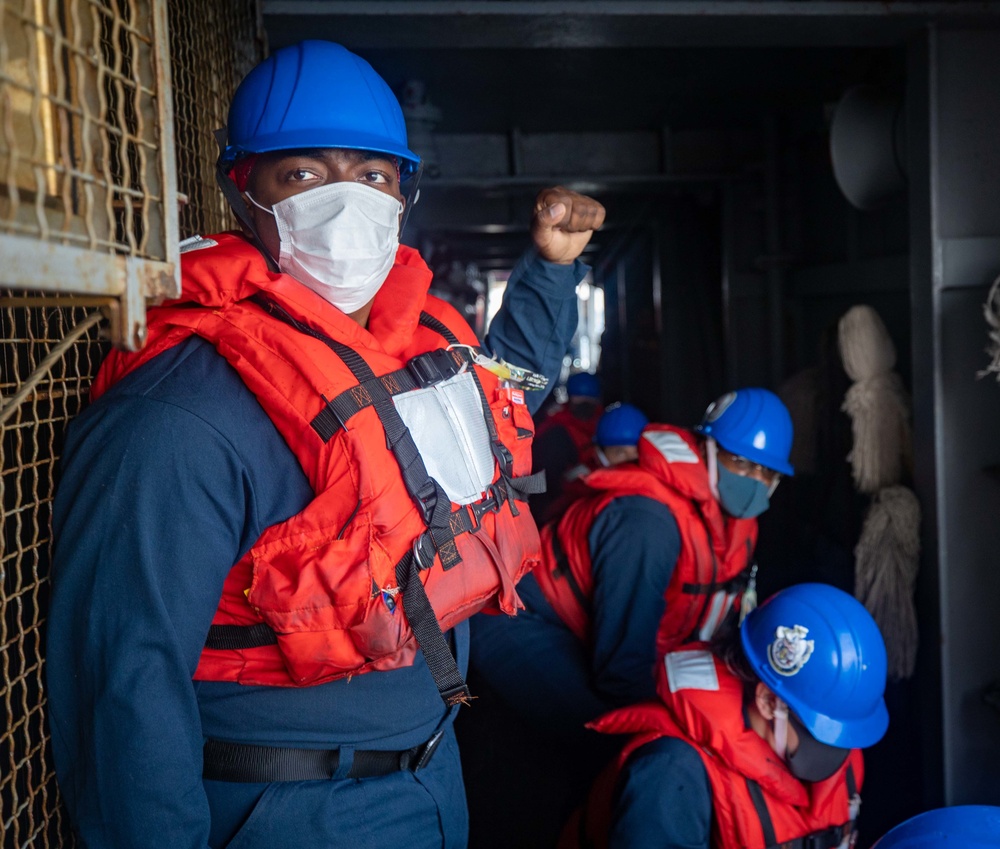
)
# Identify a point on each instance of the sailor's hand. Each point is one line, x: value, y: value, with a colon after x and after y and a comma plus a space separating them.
x: 563, y: 223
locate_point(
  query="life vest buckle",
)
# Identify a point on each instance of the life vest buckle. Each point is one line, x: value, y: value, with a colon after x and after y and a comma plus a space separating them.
x: 426, y: 752
x: 828, y: 838
x: 503, y: 457
x: 434, y: 367
x: 490, y: 504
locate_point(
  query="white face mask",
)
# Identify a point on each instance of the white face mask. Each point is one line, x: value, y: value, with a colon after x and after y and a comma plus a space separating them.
x: 340, y: 240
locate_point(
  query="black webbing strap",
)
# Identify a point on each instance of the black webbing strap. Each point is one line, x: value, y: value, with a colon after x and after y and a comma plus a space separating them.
x: 733, y: 585
x: 520, y: 487
x: 253, y: 764
x: 526, y: 485
x: 425, y: 626
x: 760, y: 806
x: 500, y: 452
x: 423, y: 370
x: 427, y: 494
x: 240, y: 636
x: 826, y: 838
x: 563, y: 570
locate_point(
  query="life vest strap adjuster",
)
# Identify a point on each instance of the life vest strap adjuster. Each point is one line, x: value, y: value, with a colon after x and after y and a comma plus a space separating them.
x: 426, y: 499
x: 423, y: 551
x: 435, y: 366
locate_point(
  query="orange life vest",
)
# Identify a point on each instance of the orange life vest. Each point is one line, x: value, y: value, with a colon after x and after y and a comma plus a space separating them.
x: 714, y: 564
x: 342, y: 587
x: 756, y: 802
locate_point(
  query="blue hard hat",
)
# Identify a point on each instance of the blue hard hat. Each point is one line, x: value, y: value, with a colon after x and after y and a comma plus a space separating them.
x: 316, y: 94
x: 584, y: 384
x: 752, y: 423
x: 958, y: 827
x: 818, y: 649
x: 620, y: 424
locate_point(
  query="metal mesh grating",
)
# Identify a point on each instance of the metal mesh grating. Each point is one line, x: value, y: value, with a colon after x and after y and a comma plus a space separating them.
x: 30, y: 813
x: 77, y: 167
x: 80, y: 159
x: 213, y: 46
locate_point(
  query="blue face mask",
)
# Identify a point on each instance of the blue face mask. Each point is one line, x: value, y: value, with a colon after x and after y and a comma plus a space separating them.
x: 741, y: 497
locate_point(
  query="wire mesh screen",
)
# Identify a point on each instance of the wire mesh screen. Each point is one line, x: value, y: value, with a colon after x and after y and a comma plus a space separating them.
x: 80, y: 159
x: 46, y: 396
x: 77, y: 167
x: 213, y: 46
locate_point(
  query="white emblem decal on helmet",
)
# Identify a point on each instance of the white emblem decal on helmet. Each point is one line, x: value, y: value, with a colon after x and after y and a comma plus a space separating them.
x: 790, y: 649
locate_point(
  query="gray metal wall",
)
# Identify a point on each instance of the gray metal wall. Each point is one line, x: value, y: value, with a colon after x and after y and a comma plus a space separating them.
x: 954, y: 163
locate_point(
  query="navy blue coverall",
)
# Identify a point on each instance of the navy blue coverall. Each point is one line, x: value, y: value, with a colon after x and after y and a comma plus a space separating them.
x: 166, y: 482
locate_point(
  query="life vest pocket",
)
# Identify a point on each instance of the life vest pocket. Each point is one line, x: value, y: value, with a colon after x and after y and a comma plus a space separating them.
x: 313, y: 585
x: 514, y: 427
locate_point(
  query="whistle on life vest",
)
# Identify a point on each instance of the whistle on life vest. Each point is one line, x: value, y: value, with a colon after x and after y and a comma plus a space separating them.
x: 389, y: 598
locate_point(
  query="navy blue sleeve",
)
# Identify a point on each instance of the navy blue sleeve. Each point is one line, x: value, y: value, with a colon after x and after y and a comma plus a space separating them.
x: 165, y: 483
x: 634, y: 545
x: 663, y: 800
x: 537, y: 318
x: 153, y: 507
x: 130, y: 613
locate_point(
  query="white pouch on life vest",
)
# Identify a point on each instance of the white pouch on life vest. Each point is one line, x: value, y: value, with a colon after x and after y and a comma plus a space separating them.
x: 447, y: 425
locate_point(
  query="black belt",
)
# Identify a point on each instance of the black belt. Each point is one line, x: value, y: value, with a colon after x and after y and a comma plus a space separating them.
x: 247, y: 763
x: 828, y: 838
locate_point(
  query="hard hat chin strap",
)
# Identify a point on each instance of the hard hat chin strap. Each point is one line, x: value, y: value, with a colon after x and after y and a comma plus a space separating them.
x: 236, y: 202
x: 412, y: 196
x: 781, y: 728
x: 712, y: 461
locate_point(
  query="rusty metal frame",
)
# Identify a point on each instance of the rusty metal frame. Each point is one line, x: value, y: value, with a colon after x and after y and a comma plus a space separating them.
x: 122, y: 283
